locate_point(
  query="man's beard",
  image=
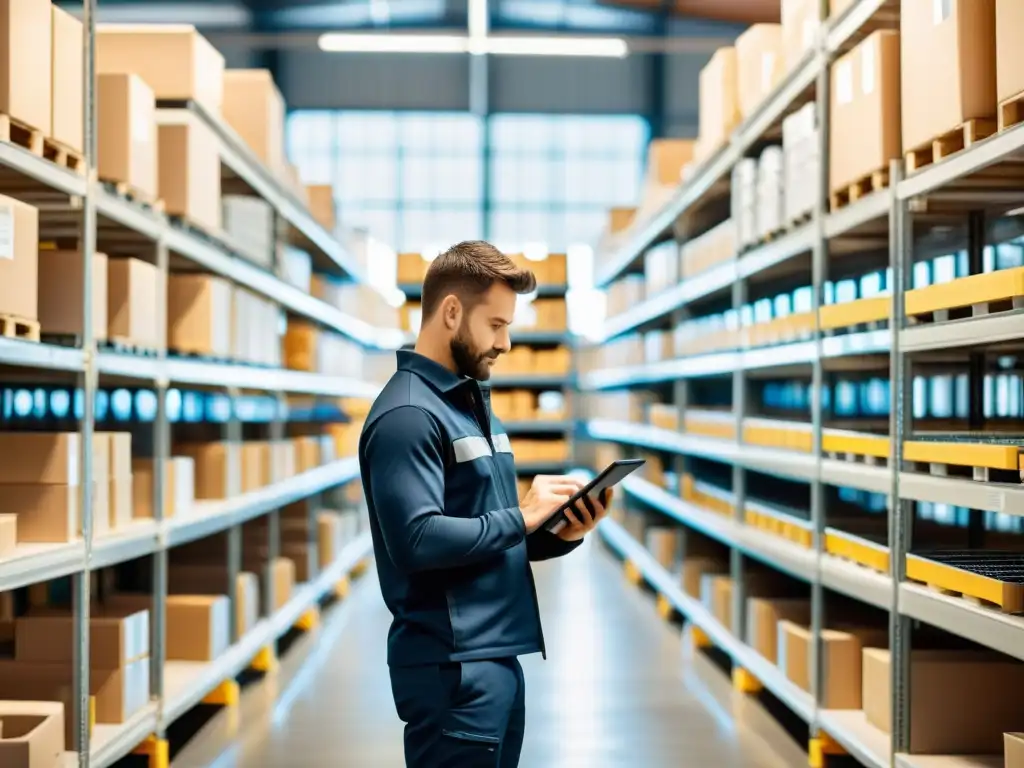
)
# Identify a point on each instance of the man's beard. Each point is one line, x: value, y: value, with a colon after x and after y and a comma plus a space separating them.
x: 469, y: 362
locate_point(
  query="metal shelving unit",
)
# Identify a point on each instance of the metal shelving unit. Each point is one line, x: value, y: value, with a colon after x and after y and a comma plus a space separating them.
x: 76, y: 206
x: 920, y: 215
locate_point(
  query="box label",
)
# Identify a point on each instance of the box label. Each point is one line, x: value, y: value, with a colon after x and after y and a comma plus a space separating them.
x: 867, y: 69
x: 844, y: 82
x: 7, y: 232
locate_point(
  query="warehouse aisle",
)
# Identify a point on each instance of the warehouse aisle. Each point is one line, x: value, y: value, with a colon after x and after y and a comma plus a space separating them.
x: 616, y: 692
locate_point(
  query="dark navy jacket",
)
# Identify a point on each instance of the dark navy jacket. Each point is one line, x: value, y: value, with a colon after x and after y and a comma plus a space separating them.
x: 451, y: 549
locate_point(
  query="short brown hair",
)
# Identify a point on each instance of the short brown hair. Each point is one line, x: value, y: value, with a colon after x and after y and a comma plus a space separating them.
x: 468, y: 270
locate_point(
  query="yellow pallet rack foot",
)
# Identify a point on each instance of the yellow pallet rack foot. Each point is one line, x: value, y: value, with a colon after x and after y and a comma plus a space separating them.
x: 820, y: 748
x: 309, y: 620
x: 699, y: 638
x: 665, y: 608
x: 224, y: 695
x: 744, y: 682
x: 157, y: 750
x: 633, y: 575
x: 341, y: 589
x: 265, y: 661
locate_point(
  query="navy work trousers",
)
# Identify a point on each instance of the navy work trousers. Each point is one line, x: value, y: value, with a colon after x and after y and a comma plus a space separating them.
x: 469, y: 714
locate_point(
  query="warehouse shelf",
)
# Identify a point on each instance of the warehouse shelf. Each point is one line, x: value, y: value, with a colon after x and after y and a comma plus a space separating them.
x: 949, y: 761
x: 186, y: 684
x: 1007, y: 146
x: 29, y: 354
x: 42, y: 172
x: 870, y: 746
x: 988, y: 626
x: 857, y: 581
x: 872, y: 208
x: 976, y: 331
x: 859, y: 19
x: 529, y: 381
x: 414, y: 291
x: 742, y: 655
x: 713, y: 281
x: 328, y: 254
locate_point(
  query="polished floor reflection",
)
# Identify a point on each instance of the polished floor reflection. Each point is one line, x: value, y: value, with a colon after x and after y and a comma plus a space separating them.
x: 617, y: 691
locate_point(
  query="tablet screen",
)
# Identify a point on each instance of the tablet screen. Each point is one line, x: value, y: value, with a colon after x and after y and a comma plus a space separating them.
x: 609, y: 477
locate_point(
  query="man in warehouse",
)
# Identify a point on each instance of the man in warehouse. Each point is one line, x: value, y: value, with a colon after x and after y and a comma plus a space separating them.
x: 453, y: 542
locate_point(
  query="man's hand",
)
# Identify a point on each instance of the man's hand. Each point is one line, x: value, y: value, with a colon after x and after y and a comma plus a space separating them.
x: 582, y: 520
x: 547, y: 494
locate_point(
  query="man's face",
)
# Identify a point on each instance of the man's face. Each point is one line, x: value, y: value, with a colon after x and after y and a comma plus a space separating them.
x: 482, y: 333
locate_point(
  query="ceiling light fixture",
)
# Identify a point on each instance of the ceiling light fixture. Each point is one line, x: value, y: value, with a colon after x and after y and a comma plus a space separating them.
x: 524, y: 45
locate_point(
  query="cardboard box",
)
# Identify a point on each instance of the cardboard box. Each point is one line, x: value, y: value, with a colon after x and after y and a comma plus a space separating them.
x: 31, y: 734
x: 412, y: 268
x: 8, y: 534
x: 119, y: 452
x: 837, y: 7
x: 126, y: 135
x: 799, y: 26
x: 121, y: 501
x: 841, y: 661
x: 255, y: 463
x: 213, y: 580
x: 716, y: 596
x: 321, y: 205
x: 865, y: 110
x: 330, y: 535
x: 759, y: 65
x: 179, y: 487
x: 282, y: 574
x: 49, y: 514
x: 1013, y: 750
x: 26, y: 66
x: 985, y: 686
x: 663, y: 543
x: 19, y: 258
x: 189, y: 170
x: 763, y: 617
x: 62, y: 293
x: 253, y: 106
x: 665, y: 161
x: 210, y: 462
x: 133, y: 290
x: 199, y: 315
x: 177, y: 62
x: 114, y: 641
x: 1009, y: 54
x: 719, y: 108
x: 948, y: 66
x: 307, y: 454
x: 197, y: 626
x: 44, y: 457
x: 66, y: 41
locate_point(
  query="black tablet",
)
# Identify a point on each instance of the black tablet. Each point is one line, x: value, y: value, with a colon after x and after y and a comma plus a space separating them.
x: 610, y: 476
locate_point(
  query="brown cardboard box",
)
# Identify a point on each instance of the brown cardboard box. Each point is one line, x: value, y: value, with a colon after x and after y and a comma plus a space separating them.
x: 179, y: 486
x: 255, y: 463
x: 121, y: 501
x: 120, y: 453
x: 1013, y: 750
x: 864, y: 124
x: 278, y: 461
x: 665, y: 160
x: 759, y: 65
x: 49, y: 457
x: 558, y: 269
x: 799, y: 26
x: 620, y: 219
x: 126, y: 133
x: 199, y: 315
x: 176, y: 61
x: 213, y: 580
x: 62, y: 292
x: 26, y: 84
x: 189, y: 170
x: 1009, y: 53
x: 32, y: 734
x: 321, y: 205
x: 133, y: 289
x: 307, y: 454
x: 663, y: 543
x: 253, y: 106
x: 329, y: 535
x: 66, y: 51
x: 763, y: 617
x: 948, y: 66
x: 719, y: 109
x: 197, y: 625
x: 282, y: 573
x: 411, y: 269
x: 19, y: 258
x: 837, y: 7
x: 211, y: 468
x: 841, y: 661
x: 8, y: 535
x: 114, y: 641
x: 716, y: 595
x: 49, y: 514
x: 985, y: 687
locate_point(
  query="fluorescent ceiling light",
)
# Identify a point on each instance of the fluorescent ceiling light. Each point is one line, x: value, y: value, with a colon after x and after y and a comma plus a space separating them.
x: 342, y: 42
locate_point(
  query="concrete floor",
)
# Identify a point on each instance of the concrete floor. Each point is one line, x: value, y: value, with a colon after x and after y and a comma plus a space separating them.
x: 618, y: 691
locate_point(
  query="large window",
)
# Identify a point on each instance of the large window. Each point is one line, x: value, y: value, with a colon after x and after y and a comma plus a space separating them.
x: 412, y: 179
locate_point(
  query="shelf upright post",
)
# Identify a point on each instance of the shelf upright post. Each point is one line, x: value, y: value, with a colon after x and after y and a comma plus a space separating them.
x: 681, y: 399
x: 819, y: 276
x: 276, y: 439
x: 87, y: 387
x: 901, y: 512
x: 976, y: 236
x: 161, y: 454
x: 740, y: 394
x: 233, y: 438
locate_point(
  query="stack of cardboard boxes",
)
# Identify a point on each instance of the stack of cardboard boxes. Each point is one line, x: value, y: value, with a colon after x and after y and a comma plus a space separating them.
x: 714, y: 247
x: 623, y: 294
x: 43, y: 666
x: 528, y: 361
